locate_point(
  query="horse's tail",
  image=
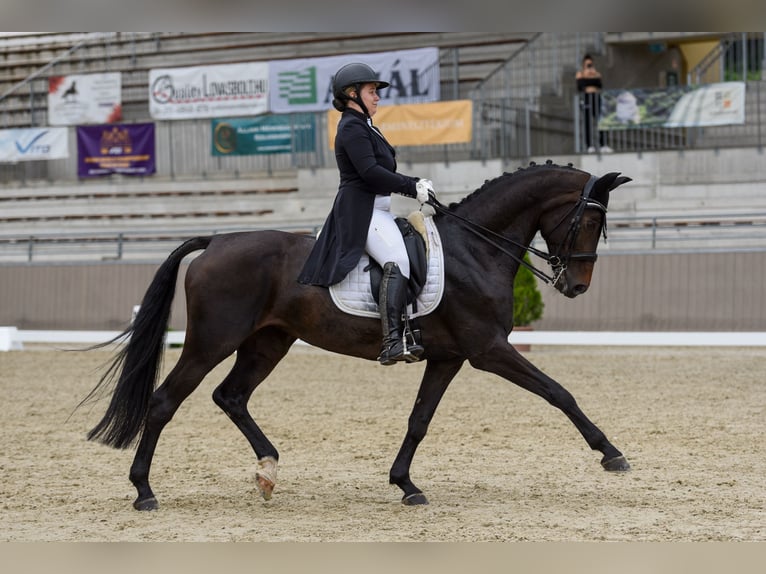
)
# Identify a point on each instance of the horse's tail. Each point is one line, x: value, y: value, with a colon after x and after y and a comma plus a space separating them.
x: 138, y: 363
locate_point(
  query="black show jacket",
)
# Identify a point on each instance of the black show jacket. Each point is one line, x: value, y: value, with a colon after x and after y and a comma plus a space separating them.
x: 367, y: 166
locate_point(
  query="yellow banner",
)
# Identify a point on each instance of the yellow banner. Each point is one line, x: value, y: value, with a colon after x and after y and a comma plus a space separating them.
x: 418, y: 124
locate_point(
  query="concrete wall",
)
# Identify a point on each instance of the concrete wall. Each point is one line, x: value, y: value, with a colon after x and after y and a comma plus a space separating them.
x: 88, y: 297
x: 703, y: 291
x: 665, y: 292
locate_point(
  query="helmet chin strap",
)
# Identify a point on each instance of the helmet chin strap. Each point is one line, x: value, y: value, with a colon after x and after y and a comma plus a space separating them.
x: 358, y: 101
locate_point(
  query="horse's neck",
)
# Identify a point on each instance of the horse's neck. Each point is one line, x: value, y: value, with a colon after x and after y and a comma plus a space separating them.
x: 510, y: 211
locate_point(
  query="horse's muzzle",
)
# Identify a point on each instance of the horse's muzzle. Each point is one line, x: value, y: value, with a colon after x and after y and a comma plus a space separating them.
x: 570, y: 290
x: 578, y: 289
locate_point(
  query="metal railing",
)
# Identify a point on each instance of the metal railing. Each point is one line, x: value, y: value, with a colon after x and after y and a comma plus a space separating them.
x: 740, y: 56
x: 709, y: 233
x: 135, y: 245
x: 626, y: 234
x: 645, y: 138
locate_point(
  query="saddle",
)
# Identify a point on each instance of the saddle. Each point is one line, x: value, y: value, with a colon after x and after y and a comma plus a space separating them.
x: 358, y: 293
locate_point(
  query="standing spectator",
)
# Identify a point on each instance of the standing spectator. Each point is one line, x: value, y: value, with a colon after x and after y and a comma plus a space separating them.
x: 589, y: 87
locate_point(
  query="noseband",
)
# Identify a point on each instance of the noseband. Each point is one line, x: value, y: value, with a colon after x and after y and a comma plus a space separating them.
x: 558, y: 262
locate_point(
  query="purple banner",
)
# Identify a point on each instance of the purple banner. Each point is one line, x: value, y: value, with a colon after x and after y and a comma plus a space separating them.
x: 115, y: 148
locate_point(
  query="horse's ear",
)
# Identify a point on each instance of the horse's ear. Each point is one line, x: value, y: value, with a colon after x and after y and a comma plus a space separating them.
x: 605, y: 184
x: 619, y: 181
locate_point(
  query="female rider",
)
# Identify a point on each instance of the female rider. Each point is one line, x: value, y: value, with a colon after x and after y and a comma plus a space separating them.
x: 360, y: 219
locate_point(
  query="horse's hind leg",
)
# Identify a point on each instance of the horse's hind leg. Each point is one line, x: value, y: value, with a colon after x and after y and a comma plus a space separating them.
x: 505, y: 361
x: 177, y: 386
x: 256, y: 358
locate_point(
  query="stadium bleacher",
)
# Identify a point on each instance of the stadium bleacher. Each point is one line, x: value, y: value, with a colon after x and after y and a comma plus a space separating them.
x: 44, y: 197
x: 192, y: 190
x: 58, y: 232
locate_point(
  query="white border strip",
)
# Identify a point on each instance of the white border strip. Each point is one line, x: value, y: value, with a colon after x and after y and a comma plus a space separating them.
x: 11, y: 338
x: 88, y: 337
x: 641, y: 338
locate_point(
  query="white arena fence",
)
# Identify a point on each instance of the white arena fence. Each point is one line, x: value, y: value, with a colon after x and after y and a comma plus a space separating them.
x: 12, y: 338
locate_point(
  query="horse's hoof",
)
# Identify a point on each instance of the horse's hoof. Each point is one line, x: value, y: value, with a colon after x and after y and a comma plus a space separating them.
x: 616, y: 464
x: 416, y: 499
x: 265, y: 487
x: 146, y: 504
x: 266, y: 476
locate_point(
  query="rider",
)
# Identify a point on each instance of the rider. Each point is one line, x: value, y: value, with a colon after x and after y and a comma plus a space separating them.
x: 360, y: 219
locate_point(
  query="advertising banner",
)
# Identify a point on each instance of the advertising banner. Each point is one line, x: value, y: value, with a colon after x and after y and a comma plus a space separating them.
x: 209, y: 91
x: 123, y: 148
x: 419, y: 124
x: 676, y: 106
x: 305, y: 85
x: 84, y: 99
x: 264, y: 135
x: 27, y: 144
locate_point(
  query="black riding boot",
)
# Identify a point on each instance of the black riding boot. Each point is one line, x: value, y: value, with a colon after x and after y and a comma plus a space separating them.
x: 393, y: 299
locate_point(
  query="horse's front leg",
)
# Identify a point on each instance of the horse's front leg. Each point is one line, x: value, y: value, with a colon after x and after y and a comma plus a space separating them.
x: 436, y: 379
x: 504, y: 360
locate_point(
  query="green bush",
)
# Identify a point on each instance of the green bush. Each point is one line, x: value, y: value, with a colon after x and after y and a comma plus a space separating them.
x: 527, y: 300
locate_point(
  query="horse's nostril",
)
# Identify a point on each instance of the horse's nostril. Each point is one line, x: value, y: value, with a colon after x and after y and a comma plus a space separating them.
x: 579, y: 289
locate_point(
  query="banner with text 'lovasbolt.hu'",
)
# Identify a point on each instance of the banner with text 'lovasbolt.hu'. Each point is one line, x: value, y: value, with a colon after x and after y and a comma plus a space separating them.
x: 209, y: 91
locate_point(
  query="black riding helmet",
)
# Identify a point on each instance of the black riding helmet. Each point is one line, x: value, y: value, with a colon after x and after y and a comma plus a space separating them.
x: 355, y: 74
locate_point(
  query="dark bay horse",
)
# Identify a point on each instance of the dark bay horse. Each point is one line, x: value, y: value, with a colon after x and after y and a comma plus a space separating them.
x: 242, y: 295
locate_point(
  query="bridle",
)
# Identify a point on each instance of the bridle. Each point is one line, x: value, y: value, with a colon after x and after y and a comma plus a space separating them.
x: 558, y: 262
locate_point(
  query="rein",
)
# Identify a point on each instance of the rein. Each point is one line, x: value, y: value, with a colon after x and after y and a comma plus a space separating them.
x: 558, y: 264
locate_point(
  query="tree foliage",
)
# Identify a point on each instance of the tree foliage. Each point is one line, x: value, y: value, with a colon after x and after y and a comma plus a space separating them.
x: 527, y: 300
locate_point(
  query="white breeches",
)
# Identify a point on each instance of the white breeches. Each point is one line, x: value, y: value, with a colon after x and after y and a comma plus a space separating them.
x: 384, y: 240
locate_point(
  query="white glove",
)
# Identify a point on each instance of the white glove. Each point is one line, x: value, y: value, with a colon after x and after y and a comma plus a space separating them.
x: 424, y: 189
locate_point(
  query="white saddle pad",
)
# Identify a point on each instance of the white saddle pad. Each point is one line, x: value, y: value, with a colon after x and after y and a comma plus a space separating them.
x: 353, y: 295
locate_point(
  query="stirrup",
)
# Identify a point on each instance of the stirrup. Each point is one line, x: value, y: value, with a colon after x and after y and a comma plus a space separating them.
x: 408, y: 357
x: 412, y: 354
x: 411, y: 341
x: 390, y: 355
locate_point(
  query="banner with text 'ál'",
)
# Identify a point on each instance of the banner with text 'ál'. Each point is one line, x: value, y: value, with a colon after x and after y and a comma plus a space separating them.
x: 305, y: 85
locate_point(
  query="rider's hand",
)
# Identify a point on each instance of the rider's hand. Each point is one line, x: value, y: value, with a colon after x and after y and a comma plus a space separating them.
x: 424, y: 189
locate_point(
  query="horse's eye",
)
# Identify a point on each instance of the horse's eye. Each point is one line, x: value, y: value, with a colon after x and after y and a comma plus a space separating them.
x: 591, y: 225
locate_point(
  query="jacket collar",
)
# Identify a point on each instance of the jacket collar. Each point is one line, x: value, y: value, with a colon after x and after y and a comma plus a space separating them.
x: 355, y: 113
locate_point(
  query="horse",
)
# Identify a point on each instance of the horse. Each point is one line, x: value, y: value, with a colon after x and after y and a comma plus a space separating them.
x: 243, y: 296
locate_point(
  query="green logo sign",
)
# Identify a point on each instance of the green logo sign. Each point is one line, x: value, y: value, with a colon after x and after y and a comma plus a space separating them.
x: 286, y: 133
x: 298, y: 87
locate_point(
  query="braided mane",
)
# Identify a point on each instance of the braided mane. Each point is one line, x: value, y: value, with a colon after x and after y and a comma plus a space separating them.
x: 506, y: 175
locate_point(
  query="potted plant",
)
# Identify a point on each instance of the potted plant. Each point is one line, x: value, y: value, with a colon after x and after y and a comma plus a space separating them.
x: 527, y: 301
